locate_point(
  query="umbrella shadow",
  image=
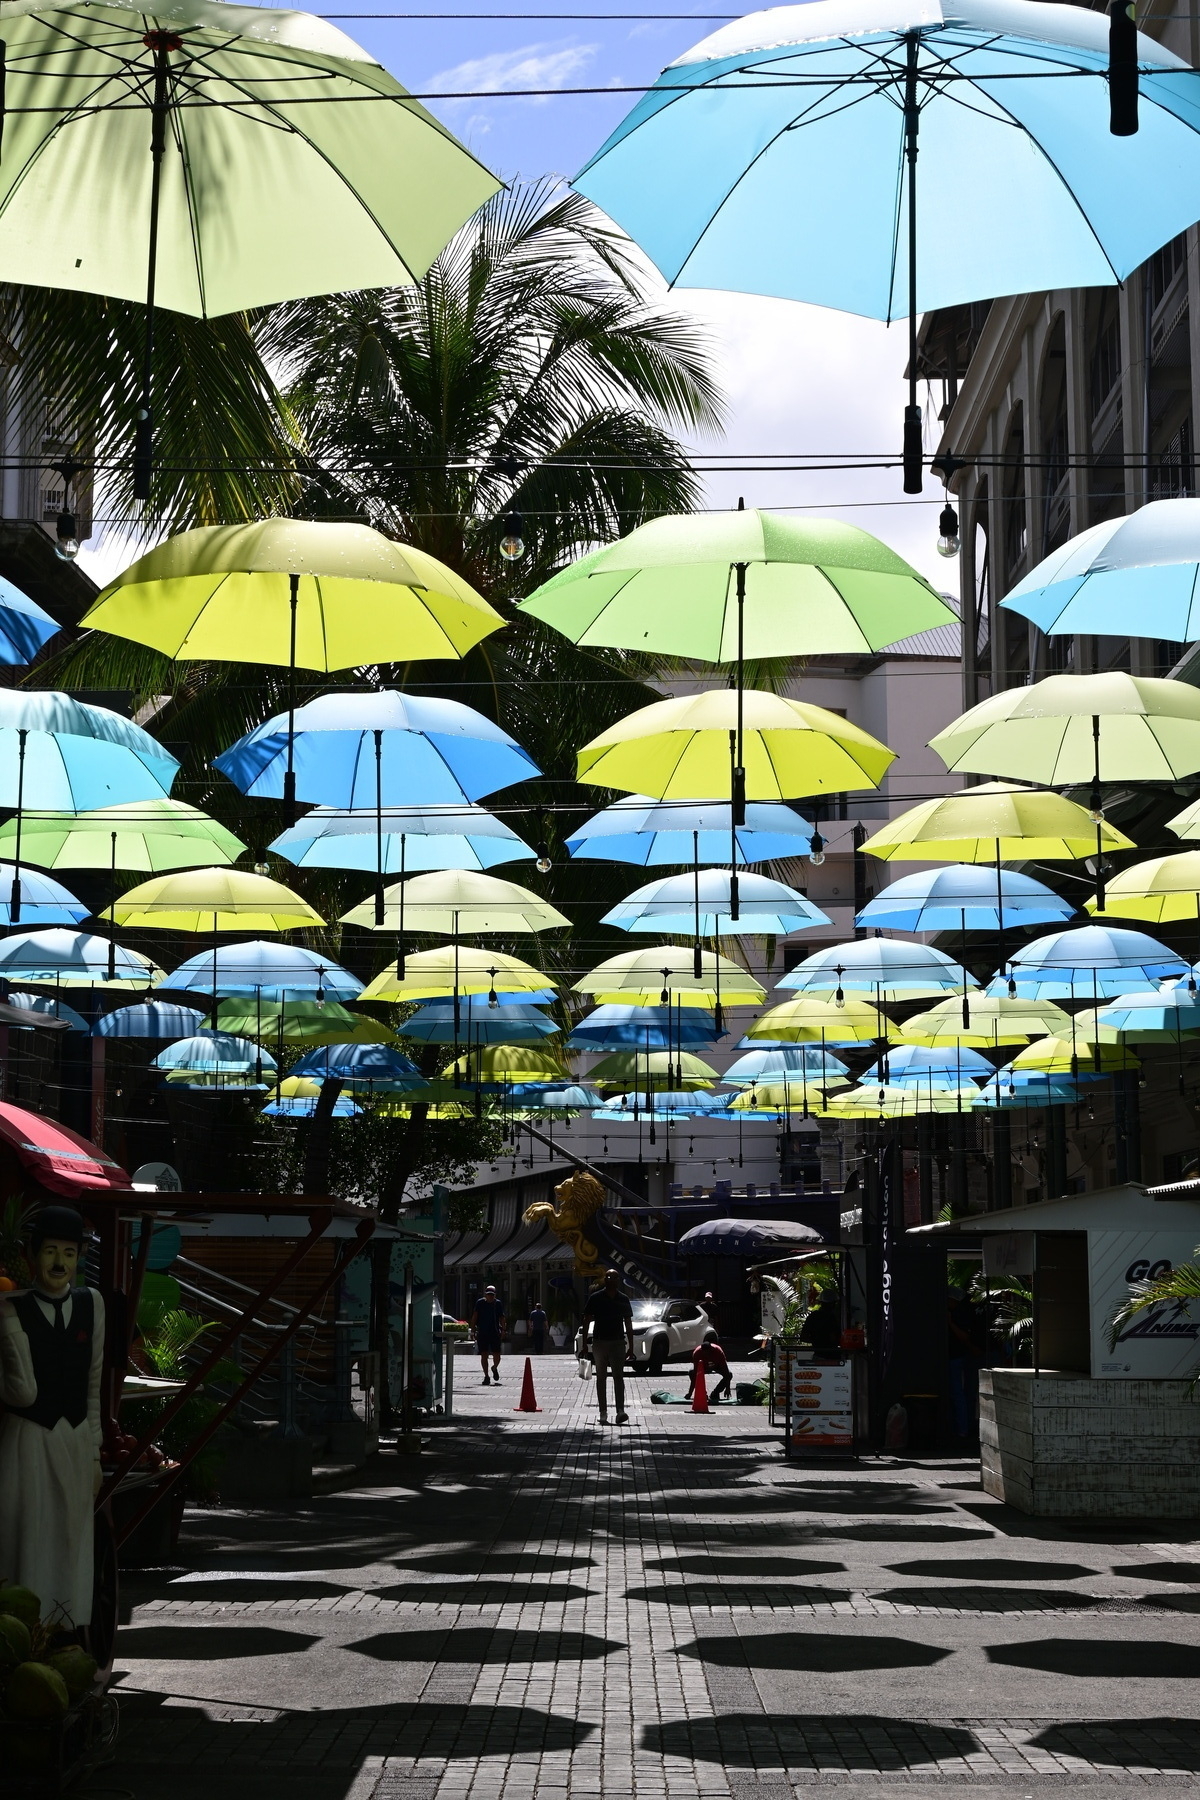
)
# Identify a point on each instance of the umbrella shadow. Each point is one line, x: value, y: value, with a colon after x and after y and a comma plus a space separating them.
x: 747, y: 1740
x: 718, y: 1566
x: 481, y: 1644
x: 209, y: 1643
x: 1113, y: 1660
x: 1125, y: 1743
x: 484, y: 1593
x: 993, y: 1568
x: 814, y: 1652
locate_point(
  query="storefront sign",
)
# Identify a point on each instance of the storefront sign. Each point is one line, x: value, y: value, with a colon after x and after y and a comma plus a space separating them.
x: 1161, y: 1343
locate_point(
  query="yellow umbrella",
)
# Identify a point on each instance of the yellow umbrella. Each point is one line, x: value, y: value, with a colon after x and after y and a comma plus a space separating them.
x: 993, y: 1020
x: 212, y: 900
x: 1163, y: 890
x: 680, y: 749
x: 807, y: 1020
x: 788, y: 1096
x: 1186, y: 824
x: 1088, y: 1030
x: 664, y: 974
x: 996, y: 821
x: 458, y: 901
x: 1061, y: 1056
x: 449, y: 968
x: 507, y: 1062
x: 877, y: 1101
x: 669, y: 1070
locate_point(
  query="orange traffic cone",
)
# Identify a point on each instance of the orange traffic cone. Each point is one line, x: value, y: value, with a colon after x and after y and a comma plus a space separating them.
x: 700, y: 1394
x: 528, y: 1397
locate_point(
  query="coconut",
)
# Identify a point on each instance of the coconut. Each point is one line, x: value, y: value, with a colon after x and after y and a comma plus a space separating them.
x: 36, y: 1691
x: 14, y: 1642
x: 21, y: 1602
x: 76, y: 1667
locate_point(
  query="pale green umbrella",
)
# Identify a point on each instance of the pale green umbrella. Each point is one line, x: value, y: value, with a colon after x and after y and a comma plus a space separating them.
x: 210, y: 158
x: 148, y: 835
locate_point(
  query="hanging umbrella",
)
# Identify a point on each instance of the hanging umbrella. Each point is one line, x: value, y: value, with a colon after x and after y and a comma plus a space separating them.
x: 922, y: 1065
x: 204, y: 159
x: 962, y: 897
x: 1062, y: 1056
x: 150, y: 1019
x: 663, y: 974
x: 240, y: 1081
x: 886, y: 967
x: 747, y: 1237
x: 995, y: 1020
x: 1163, y: 890
x: 879, y: 1101
x: 781, y: 154
x: 72, y: 959
x: 680, y: 749
x: 700, y: 903
x: 375, y: 1066
x: 24, y: 626
x: 496, y: 1063
x: 50, y: 1007
x: 457, y: 836
x: 1091, y: 962
x: 662, y: 1108
x: 637, y: 829
x: 152, y: 835
x: 1186, y: 824
x: 783, y: 1063
x: 41, y: 900
x: 456, y: 968
x: 270, y: 971
x: 1170, y: 1013
x: 459, y: 901
x: 1145, y: 563
x: 300, y: 1022
x: 808, y: 1019
x: 622, y: 1027
x: 1001, y: 1095
x: 779, y: 1099
x: 560, y: 1102
x: 212, y: 900
x: 653, y: 1069
x: 214, y: 1053
x: 995, y: 821
x: 296, y: 1098
x: 479, y: 1023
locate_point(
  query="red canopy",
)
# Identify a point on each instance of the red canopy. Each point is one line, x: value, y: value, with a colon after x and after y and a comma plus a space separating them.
x: 58, y: 1157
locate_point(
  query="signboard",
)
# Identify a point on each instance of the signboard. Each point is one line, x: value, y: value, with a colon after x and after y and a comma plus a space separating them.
x: 820, y: 1403
x: 1161, y: 1343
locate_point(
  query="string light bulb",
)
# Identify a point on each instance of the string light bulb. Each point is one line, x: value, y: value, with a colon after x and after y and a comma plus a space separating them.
x: 512, y: 544
x: 816, y: 849
x: 948, y: 539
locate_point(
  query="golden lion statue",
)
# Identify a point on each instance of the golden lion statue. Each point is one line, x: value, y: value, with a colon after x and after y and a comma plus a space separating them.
x: 576, y: 1200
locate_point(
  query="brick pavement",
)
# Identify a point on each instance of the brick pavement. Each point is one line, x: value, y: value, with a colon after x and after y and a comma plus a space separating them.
x: 540, y: 1607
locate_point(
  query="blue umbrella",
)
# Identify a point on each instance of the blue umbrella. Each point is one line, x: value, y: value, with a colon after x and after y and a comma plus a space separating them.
x: 664, y: 1108
x: 51, y: 1007
x: 780, y: 156
x: 1090, y: 961
x: 24, y: 627
x: 918, y: 1065
x: 700, y: 904
x: 748, y: 1237
x: 152, y: 1019
x: 617, y: 1027
x: 296, y: 1106
x: 766, y: 1064
x: 886, y: 967
x: 403, y: 839
x: 430, y: 752
x: 273, y: 971
x: 962, y: 897
x: 1145, y: 564
x: 1035, y: 1090
x: 515, y: 1023
x: 639, y: 830
x: 528, y: 1097
x: 74, y: 958
x: 40, y: 901
x: 361, y: 1065
x: 214, y: 1053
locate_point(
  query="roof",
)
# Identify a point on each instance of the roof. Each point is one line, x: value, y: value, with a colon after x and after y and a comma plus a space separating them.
x: 58, y: 1157
x: 939, y: 640
x: 1129, y: 1207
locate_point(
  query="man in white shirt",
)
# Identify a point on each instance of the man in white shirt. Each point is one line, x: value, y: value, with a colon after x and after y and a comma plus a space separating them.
x: 51, y: 1360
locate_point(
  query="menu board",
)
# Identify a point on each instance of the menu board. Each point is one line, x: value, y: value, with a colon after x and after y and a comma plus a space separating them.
x: 820, y: 1404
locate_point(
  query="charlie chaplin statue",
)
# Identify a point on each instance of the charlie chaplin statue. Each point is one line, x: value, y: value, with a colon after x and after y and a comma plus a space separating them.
x: 51, y: 1357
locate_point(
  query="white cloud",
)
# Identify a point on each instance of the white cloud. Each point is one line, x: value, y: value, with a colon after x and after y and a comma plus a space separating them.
x: 531, y: 66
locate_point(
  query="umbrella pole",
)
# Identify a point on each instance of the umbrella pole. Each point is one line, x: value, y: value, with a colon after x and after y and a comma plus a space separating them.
x: 162, y: 43
x: 697, y: 965
x: 734, y: 898
x: 379, y: 910
x: 214, y: 992
x: 999, y: 913
x: 112, y: 911
x: 289, y: 777
x: 400, y: 933
x: 457, y: 1003
x: 913, y: 447
x: 738, y: 795
x: 14, y: 899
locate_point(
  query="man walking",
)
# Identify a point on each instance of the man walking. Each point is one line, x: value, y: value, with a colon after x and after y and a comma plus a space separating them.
x: 610, y: 1316
x: 489, y: 1322
x: 538, y: 1322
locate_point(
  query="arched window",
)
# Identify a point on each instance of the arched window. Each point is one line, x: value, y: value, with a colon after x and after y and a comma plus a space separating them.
x: 1052, y: 431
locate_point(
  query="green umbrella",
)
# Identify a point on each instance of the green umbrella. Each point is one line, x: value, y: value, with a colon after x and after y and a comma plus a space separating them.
x: 151, y: 836
x: 210, y: 158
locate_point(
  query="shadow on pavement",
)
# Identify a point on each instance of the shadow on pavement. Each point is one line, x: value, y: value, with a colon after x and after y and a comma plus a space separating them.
x: 743, y: 1593
x: 746, y: 1740
x: 1126, y: 1743
x: 493, y: 1562
x: 984, y: 1568
x: 1160, y: 1571
x: 744, y: 1565
x: 209, y: 1643
x: 481, y: 1644
x: 820, y: 1652
x: 989, y: 1599
x: 255, y: 1587
x: 483, y: 1592
x: 1128, y: 1660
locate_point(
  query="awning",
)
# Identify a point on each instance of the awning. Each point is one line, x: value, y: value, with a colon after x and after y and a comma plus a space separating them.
x: 57, y: 1157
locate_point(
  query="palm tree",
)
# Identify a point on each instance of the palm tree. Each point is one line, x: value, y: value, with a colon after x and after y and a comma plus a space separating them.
x: 1179, y: 1288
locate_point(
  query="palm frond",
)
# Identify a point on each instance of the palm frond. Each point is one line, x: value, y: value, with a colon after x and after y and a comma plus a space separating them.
x: 1182, y: 1284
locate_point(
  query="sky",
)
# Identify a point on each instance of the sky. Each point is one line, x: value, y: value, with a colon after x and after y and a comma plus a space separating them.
x: 798, y: 379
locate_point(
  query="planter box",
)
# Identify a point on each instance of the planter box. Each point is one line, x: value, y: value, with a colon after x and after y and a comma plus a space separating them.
x: 40, y: 1759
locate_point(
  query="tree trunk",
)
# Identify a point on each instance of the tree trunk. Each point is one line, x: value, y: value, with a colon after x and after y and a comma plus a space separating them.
x: 320, y: 1140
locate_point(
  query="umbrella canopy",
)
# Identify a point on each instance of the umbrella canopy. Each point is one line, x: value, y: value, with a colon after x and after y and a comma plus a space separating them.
x: 214, y: 1053
x: 664, y: 973
x: 376, y: 1066
x: 879, y: 1101
x: 680, y: 749
x: 778, y: 1099
x: 153, y: 834
x: 1071, y: 729
x: 431, y: 752
x: 1064, y: 1056
x: 810, y: 587
x: 924, y: 1065
x: 994, y: 1019
x: 508, y: 1062
x: 747, y: 1237
x: 994, y: 821
x: 41, y: 901
x: 479, y: 1023
x: 886, y: 967
x: 785, y: 1062
x: 620, y: 1027
x: 212, y: 900
x: 58, y: 753
x: 268, y: 971
x: 1001, y: 1094
x: 50, y: 1007
x: 458, y: 836
x: 1186, y: 824
x: 637, y: 829
x: 1091, y: 960
x: 301, y: 1104
x: 962, y: 897
x: 1146, y: 562
x: 560, y: 1101
x: 24, y: 626
x: 300, y: 593
x: 458, y: 901
x: 1153, y: 1018
x: 300, y: 1022
x: 653, y: 1069
x: 72, y: 959
x: 455, y: 968
x: 808, y: 1019
x: 701, y: 903
x: 150, y: 1019
x: 1162, y: 890
x: 662, y: 1108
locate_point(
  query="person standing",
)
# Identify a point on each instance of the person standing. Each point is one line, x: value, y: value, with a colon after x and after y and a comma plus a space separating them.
x: 489, y: 1323
x: 610, y: 1316
x: 710, y: 1356
x: 538, y: 1321
x: 51, y: 1360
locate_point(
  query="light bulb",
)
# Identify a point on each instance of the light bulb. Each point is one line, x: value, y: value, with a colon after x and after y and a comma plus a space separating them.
x: 544, y: 865
x: 512, y: 547
x: 947, y: 543
x: 262, y: 868
x: 1096, y: 815
x: 493, y: 996
x: 816, y: 849
x: 66, y: 534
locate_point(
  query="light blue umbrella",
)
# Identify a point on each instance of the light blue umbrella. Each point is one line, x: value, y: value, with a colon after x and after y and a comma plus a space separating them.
x: 922, y: 1066
x: 886, y: 967
x: 664, y: 1108
x: 964, y: 897
x: 1144, y: 564
x: 1036, y: 1090
x: 74, y: 958
x: 430, y: 752
x: 273, y: 971
x: 297, y: 1106
x: 783, y: 155
x: 214, y: 1053
x: 374, y: 1066
x: 700, y: 904
x: 513, y: 1023
x: 42, y: 900
x: 1089, y: 962
x: 51, y: 1007
x: 24, y: 626
x: 765, y: 1064
x: 1173, y: 1012
x: 402, y: 840
x: 528, y: 1097
x: 152, y: 1019
x: 639, y: 830
x: 616, y: 1027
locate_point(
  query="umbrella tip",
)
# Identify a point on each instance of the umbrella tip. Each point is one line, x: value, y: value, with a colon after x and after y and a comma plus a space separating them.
x: 741, y: 503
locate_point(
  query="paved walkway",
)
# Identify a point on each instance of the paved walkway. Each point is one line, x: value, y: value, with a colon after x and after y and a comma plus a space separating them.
x: 541, y: 1607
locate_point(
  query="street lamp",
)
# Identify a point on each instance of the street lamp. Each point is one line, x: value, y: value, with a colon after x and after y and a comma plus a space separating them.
x: 66, y: 526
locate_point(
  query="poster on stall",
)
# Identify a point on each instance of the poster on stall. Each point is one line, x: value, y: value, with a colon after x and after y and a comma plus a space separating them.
x: 821, y: 1404
x: 1162, y: 1343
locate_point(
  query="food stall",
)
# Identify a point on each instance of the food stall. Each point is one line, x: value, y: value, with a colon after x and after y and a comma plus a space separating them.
x: 1100, y: 1426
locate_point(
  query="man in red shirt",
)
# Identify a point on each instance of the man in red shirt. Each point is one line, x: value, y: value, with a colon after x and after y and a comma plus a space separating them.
x: 710, y: 1356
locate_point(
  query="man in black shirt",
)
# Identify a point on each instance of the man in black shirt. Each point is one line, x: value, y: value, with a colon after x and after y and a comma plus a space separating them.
x: 489, y: 1322
x: 610, y: 1316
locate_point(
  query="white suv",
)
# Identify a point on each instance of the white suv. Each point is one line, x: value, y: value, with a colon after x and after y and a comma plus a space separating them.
x: 662, y: 1330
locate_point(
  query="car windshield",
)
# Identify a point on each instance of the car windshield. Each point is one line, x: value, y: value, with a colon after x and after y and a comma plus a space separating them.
x: 648, y: 1309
